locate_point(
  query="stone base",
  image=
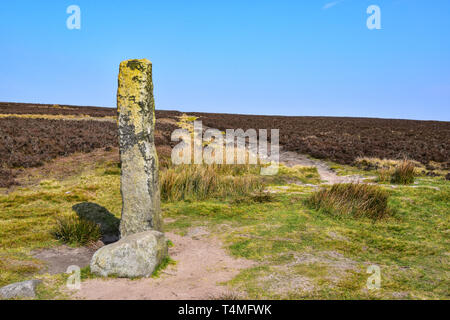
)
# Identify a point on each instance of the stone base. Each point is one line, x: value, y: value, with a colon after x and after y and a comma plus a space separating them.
x: 136, y: 255
x: 24, y: 289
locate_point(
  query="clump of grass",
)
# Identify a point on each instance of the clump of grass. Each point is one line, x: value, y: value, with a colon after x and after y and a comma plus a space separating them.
x: 163, y: 265
x: 76, y: 231
x: 301, y: 173
x: 199, y: 182
x: 384, y: 175
x: 367, y: 163
x: 351, y: 199
x: 404, y: 173
x: 260, y: 196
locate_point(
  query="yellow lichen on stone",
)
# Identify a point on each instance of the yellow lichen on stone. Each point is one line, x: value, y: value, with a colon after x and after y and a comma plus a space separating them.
x: 133, y: 76
x: 139, y: 174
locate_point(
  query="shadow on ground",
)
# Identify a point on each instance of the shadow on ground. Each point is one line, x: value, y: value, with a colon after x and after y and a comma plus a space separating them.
x: 58, y: 259
x: 108, y: 223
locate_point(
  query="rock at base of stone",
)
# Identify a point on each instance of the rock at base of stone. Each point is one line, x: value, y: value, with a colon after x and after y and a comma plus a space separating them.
x: 133, y: 256
x: 24, y: 289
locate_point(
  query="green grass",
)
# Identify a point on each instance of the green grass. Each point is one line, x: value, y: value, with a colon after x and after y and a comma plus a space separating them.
x: 167, y: 261
x: 29, y: 215
x: 299, y: 173
x: 327, y: 258
x: 351, y: 199
x: 300, y: 252
x: 76, y: 231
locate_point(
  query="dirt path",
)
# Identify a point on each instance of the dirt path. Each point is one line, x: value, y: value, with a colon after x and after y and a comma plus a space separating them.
x: 202, y: 264
x: 290, y: 159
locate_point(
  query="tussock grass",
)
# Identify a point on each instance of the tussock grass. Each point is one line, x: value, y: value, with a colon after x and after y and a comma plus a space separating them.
x: 404, y: 173
x: 367, y: 163
x: 207, y: 181
x: 351, y: 199
x: 76, y: 231
x: 384, y: 175
x: 273, y: 233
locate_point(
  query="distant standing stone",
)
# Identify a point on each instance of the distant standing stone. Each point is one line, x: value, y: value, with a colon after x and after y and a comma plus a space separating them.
x: 139, y: 161
x: 136, y: 255
x: 24, y: 289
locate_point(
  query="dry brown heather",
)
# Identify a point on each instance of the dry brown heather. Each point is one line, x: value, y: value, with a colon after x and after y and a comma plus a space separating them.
x: 26, y: 142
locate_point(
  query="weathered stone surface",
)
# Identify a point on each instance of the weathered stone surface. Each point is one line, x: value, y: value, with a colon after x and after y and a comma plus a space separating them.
x: 139, y: 179
x: 24, y: 289
x: 136, y: 255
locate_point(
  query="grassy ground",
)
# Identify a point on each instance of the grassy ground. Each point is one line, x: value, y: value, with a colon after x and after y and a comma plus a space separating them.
x: 300, y: 252
x: 306, y: 254
x: 28, y: 214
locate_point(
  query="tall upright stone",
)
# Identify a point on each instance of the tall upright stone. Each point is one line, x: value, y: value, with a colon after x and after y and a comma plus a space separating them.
x: 139, y: 180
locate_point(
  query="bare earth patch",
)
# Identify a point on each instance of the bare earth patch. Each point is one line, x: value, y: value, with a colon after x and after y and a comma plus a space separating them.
x: 301, y: 274
x: 202, y: 264
x: 59, y: 258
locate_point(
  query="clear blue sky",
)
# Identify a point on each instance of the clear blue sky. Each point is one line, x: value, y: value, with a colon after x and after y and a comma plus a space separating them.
x: 258, y: 57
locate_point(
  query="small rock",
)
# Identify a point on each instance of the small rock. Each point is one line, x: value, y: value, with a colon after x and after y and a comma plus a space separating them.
x: 24, y: 289
x: 400, y: 295
x: 136, y: 255
x: 196, y: 233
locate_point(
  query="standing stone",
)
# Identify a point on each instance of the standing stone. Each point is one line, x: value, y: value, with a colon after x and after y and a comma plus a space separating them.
x: 139, y: 180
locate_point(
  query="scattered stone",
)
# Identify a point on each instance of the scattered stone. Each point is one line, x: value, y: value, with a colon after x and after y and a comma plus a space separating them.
x: 24, y: 289
x: 133, y: 256
x: 197, y: 233
x: 139, y: 162
x: 282, y: 283
x: 400, y: 295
